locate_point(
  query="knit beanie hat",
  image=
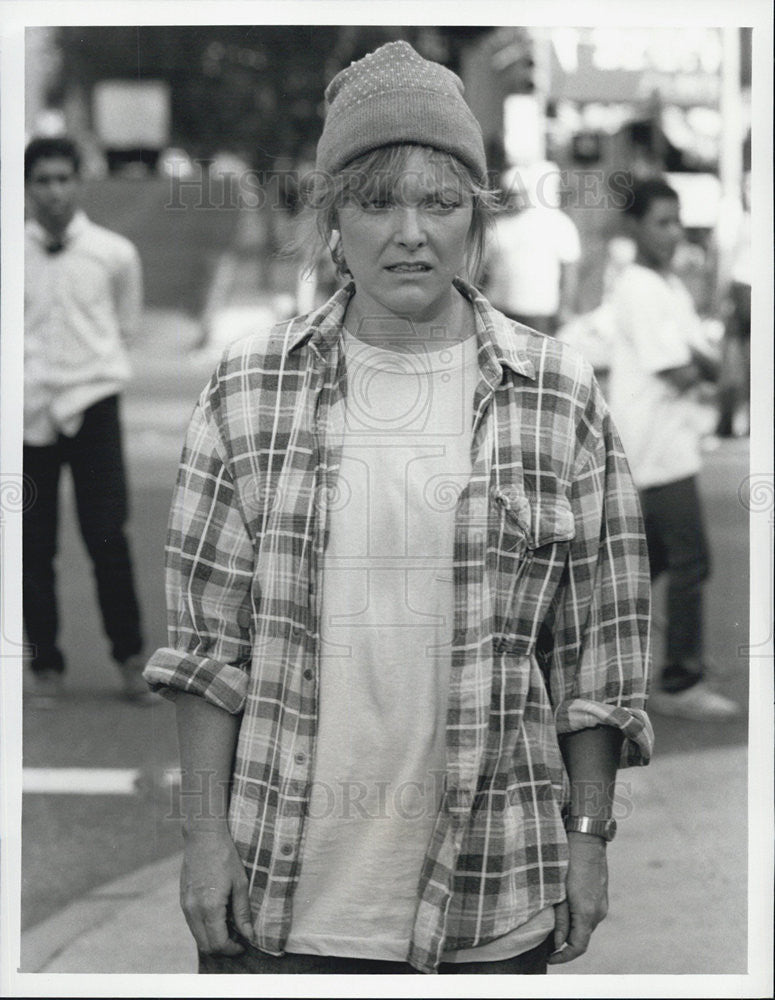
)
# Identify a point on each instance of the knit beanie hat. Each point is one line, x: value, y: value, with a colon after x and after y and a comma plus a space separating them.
x: 393, y: 95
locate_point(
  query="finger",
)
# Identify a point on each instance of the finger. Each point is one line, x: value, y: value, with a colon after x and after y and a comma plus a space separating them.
x: 240, y: 906
x: 193, y: 914
x: 197, y: 928
x: 561, y: 924
x: 577, y: 941
x: 219, y: 942
x: 210, y: 910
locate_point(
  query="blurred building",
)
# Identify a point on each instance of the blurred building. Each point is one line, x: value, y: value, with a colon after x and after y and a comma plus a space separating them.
x: 600, y: 102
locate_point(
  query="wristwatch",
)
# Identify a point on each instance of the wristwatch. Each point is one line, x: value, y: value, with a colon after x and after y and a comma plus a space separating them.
x: 605, y: 828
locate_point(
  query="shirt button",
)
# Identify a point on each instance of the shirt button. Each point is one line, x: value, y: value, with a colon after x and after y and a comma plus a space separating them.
x: 308, y: 674
x: 300, y: 758
x: 286, y: 849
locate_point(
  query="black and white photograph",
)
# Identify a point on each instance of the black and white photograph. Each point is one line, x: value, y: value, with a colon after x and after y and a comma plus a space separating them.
x: 386, y: 498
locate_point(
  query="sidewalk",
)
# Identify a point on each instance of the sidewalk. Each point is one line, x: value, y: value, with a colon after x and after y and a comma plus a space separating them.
x: 678, y: 875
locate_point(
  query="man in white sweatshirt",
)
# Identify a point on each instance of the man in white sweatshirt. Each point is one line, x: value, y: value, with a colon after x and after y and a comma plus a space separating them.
x: 655, y: 373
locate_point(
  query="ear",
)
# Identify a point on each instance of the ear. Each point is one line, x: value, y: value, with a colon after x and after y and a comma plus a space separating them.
x: 335, y: 244
x: 337, y: 253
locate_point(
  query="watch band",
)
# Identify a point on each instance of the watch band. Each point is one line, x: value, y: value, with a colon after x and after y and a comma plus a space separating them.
x: 605, y: 828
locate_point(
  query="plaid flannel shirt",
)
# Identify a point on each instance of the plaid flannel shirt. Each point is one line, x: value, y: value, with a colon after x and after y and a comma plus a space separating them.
x: 552, y: 604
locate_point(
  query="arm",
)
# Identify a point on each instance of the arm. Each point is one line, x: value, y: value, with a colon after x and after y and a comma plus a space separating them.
x: 599, y: 660
x: 591, y: 757
x: 646, y: 318
x: 570, y: 256
x: 682, y: 378
x: 569, y: 286
x: 209, y: 577
x: 700, y: 369
x: 128, y: 292
x: 212, y: 873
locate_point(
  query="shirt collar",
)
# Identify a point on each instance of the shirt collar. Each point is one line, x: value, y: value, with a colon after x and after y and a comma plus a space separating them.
x: 498, y: 341
x: 500, y: 345
x: 74, y: 228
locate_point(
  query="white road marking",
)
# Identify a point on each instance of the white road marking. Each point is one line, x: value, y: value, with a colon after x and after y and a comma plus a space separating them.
x: 90, y: 780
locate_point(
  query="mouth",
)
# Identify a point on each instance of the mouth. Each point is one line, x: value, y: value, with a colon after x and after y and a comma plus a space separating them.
x: 409, y: 267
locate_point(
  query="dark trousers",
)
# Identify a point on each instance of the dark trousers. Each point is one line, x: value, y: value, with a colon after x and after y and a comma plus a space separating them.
x: 252, y: 962
x: 677, y: 545
x: 96, y: 463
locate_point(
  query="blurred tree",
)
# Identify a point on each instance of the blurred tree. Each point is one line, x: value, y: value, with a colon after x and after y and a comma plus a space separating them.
x: 254, y: 90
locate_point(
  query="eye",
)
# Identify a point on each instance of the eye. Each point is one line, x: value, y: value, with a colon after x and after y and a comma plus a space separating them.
x: 442, y: 204
x: 377, y: 204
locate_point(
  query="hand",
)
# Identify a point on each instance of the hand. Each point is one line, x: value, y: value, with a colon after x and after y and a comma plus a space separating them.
x: 587, y: 897
x: 211, y: 876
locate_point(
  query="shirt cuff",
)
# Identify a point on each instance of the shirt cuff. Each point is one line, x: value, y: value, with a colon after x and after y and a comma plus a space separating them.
x: 578, y: 713
x: 169, y: 671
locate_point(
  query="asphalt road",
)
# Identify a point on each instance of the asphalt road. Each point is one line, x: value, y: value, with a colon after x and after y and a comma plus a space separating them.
x: 73, y: 843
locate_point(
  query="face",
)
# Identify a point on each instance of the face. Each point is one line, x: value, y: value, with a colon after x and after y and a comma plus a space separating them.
x: 403, y: 247
x: 658, y: 233
x: 52, y: 189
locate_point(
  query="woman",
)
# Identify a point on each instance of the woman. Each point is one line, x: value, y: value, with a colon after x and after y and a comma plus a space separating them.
x: 407, y: 581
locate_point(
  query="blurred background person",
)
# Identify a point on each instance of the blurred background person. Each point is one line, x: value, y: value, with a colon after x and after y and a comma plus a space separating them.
x: 533, y: 252
x: 83, y: 297
x: 734, y: 395
x: 658, y: 369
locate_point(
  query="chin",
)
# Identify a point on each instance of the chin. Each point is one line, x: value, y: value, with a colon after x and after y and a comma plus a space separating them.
x: 417, y: 307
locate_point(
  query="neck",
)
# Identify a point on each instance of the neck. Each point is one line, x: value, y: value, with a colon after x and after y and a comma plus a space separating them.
x: 652, y: 265
x: 405, y: 333
x: 55, y: 227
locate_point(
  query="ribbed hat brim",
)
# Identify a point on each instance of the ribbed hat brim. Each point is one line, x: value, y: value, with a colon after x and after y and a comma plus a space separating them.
x: 402, y: 115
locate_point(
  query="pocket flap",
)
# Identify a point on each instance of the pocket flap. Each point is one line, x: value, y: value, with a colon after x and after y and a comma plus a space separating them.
x: 554, y: 521
x: 541, y: 520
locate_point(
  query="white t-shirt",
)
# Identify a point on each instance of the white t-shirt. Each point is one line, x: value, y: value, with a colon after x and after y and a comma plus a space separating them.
x: 655, y: 323
x: 525, y: 259
x: 386, y: 631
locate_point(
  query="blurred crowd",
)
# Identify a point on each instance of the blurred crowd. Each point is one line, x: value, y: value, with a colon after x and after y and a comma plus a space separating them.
x: 539, y: 258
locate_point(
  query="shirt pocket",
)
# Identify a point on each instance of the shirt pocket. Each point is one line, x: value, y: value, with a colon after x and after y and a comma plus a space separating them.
x: 529, y: 539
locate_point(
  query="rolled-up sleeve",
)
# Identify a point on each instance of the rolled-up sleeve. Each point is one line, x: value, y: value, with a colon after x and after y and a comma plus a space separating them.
x: 209, y: 575
x: 600, y: 619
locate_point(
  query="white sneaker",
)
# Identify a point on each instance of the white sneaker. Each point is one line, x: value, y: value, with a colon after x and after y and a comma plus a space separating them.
x: 698, y: 702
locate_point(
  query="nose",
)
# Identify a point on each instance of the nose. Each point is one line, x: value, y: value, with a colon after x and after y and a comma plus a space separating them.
x: 410, y: 227
x: 55, y: 187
